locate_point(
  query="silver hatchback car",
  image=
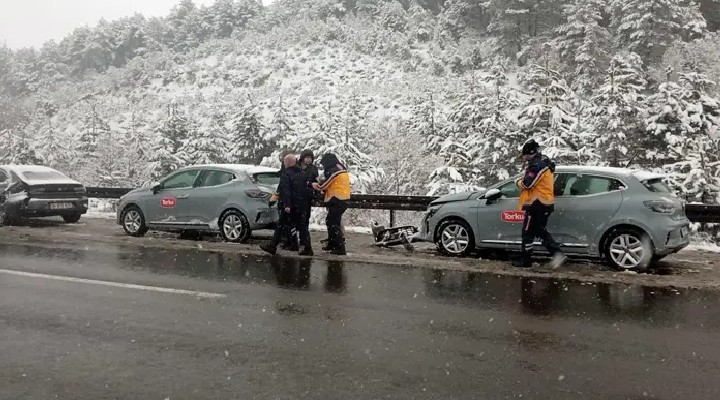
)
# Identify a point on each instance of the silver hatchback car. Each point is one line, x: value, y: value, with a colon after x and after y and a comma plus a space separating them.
x: 231, y: 199
x: 629, y: 218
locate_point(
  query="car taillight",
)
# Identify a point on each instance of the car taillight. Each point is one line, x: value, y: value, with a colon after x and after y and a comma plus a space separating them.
x: 661, y: 206
x: 257, y: 194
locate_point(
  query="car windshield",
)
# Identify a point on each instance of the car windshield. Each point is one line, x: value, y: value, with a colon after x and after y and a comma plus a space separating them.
x: 42, y: 175
x: 267, y: 178
x: 657, y: 186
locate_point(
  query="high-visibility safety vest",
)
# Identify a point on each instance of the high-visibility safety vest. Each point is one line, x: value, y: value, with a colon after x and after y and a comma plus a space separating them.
x: 337, y: 186
x: 541, y: 188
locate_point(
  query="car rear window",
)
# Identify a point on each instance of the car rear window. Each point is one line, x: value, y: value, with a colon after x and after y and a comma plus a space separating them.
x: 657, y: 186
x: 42, y: 175
x: 267, y: 178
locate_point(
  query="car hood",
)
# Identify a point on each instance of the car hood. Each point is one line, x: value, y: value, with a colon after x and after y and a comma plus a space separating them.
x: 453, y: 197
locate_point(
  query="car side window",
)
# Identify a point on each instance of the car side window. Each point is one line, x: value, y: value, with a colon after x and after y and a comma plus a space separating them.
x: 510, y: 190
x: 3, y: 176
x: 216, y: 178
x: 586, y: 185
x: 184, y: 179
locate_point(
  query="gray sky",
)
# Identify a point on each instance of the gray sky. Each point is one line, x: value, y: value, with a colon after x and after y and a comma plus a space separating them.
x: 32, y: 22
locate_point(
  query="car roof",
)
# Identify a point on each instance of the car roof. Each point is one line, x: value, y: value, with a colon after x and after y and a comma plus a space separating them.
x: 641, y: 175
x: 250, y: 169
x: 27, y: 168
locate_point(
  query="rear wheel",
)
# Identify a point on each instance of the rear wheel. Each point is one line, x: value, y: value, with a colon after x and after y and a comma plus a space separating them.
x: 629, y: 249
x: 234, y: 227
x: 133, y: 222
x: 455, y: 238
x: 72, y: 218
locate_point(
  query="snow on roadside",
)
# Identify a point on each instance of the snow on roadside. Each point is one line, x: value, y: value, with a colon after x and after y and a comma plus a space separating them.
x: 353, y: 229
x: 703, y: 246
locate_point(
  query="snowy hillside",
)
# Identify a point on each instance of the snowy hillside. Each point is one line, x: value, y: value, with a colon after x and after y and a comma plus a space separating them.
x: 417, y: 96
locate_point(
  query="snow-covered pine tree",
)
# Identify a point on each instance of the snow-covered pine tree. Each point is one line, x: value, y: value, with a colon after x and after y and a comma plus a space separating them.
x: 697, y: 171
x: 668, y: 122
x: 649, y: 27
x: 547, y: 118
x: 618, y: 112
x: 249, y: 140
x: 500, y: 129
x: 165, y: 155
x: 19, y: 148
x: 94, y: 128
x: 136, y: 142
x: 583, y: 44
x: 208, y: 146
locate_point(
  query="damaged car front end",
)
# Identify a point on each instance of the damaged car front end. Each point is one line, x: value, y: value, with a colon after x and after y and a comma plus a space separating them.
x: 35, y: 192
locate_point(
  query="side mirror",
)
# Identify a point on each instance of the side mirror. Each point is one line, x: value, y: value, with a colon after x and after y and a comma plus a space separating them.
x: 492, y: 195
x: 156, y: 188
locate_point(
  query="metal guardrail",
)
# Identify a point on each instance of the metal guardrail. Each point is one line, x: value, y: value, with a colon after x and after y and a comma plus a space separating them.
x: 703, y: 213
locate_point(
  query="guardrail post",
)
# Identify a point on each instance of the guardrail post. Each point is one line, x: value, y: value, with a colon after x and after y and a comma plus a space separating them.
x: 392, y: 218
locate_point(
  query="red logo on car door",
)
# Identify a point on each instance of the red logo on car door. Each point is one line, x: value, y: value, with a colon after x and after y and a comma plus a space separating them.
x: 514, y: 216
x: 167, y: 202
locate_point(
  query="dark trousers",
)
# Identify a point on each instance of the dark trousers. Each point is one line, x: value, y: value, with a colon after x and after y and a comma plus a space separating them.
x: 298, y: 220
x: 301, y: 219
x: 535, y: 226
x: 335, y: 210
x: 284, y: 230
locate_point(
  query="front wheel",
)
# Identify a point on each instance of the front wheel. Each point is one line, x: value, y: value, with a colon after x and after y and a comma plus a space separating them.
x: 234, y: 227
x: 71, y: 219
x: 455, y: 238
x: 133, y: 222
x: 628, y: 249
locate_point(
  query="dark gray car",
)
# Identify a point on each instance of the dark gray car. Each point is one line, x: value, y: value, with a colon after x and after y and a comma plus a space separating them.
x: 30, y: 191
x: 231, y: 199
x: 629, y: 218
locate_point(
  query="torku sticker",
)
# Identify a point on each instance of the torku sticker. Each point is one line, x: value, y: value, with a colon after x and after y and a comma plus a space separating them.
x: 167, y: 202
x: 514, y: 216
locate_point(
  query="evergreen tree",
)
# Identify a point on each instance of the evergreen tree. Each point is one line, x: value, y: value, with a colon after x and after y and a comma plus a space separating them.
x: 649, y: 27
x: 93, y: 130
x: 166, y: 155
x: 667, y: 122
x: 618, y: 112
x: 19, y: 148
x: 698, y: 149
x: 583, y: 43
x: 250, y: 141
x: 547, y: 118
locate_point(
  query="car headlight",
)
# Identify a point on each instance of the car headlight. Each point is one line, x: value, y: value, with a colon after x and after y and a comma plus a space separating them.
x: 661, y: 206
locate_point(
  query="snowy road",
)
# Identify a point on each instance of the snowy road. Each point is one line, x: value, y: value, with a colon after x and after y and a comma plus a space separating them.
x: 146, y: 323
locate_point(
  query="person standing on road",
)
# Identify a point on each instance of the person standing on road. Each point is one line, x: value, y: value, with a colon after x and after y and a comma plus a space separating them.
x: 336, y: 187
x: 288, y: 233
x: 293, y: 192
x: 537, y: 200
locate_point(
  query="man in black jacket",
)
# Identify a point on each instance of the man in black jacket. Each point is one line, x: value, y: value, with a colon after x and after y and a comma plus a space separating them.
x: 293, y: 191
x: 288, y: 233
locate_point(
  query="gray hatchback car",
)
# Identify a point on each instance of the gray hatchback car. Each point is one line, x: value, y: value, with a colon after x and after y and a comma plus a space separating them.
x: 231, y: 199
x: 628, y: 218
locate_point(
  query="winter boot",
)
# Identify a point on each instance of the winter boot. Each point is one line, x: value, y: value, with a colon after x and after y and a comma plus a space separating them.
x: 269, y: 248
x: 558, y: 260
x: 307, y: 251
x: 339, y: 250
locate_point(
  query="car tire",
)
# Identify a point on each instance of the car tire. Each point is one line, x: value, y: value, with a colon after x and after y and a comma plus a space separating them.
x: 455, y: 238
x: 234, y: 227
x: 133, y: 222
x: 628, y: 249
x: 71, y: 219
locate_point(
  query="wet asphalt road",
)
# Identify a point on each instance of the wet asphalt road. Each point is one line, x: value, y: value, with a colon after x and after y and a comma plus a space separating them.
x: 261, y: 328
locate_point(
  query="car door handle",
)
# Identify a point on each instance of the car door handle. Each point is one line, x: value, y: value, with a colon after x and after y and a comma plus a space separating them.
x: 183, y: 196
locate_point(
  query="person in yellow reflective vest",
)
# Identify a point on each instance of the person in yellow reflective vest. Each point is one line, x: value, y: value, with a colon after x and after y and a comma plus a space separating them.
x: 336, y: 188
x: 537, y: 200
